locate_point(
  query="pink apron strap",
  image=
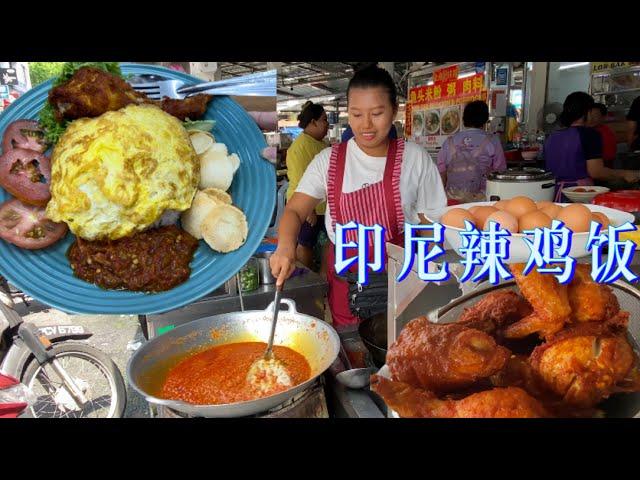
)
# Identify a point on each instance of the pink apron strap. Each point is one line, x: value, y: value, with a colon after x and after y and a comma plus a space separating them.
x: 334, y: 180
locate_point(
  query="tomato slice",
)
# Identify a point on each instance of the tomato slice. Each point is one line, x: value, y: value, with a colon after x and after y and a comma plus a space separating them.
x: 25, y: 134
x: 26, y: 175
x: 27, y: 227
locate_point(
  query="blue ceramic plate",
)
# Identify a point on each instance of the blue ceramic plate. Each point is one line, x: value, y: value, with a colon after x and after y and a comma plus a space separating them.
x: 46, y: 274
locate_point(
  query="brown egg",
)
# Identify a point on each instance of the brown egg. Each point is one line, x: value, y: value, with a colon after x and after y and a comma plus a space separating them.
x: 532, y: 220
x: 501, y: 204
x: 552, y: 210
x: 473, y: 210
x: 505, y: 219
x: 520, y: 205
x: 576, y: 217
x: 544, y: 204
x: 481, y: 213
x: 601, y: 218
x: 456, y: 217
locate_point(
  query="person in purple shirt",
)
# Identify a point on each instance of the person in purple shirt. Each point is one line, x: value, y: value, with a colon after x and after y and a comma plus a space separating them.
x: 574, y: 153
x: 467, y: 157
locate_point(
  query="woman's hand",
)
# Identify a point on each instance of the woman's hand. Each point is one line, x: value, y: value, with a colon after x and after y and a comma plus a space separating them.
x: 312, y: 219
x: 630, y: 176
x: 283, y: 260
x: 282, y: 263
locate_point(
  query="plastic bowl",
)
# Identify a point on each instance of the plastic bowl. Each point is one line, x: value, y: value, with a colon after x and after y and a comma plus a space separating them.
x: 530, y: 154
x: 519, y: 251
x: 583, y: 197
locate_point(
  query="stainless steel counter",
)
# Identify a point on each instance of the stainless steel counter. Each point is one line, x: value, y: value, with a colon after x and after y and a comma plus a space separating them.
x: 306, y: 289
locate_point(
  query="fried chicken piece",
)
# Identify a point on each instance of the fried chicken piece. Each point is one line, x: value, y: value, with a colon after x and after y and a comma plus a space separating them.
x: 590, y: 301
x: 190, y: 107
x: 586, y: 363
x: 443, y: 357
x: 518, y: 372
x: 410, y: 402
x: 90, y: 92
x: 549, y: 299
x: 495, y: 311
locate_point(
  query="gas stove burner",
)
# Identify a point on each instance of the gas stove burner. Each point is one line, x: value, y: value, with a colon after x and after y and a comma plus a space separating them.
x: 311, y: 403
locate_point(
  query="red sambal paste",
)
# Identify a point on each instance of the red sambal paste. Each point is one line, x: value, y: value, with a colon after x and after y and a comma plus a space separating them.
x: 152, y: 261
x: 219, y: 375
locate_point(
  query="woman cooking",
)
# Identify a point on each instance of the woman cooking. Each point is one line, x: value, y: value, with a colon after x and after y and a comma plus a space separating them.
x: 371, y: 179
x: 574, y: 153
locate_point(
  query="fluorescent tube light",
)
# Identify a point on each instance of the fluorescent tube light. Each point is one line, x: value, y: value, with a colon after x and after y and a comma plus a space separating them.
x: 572, y: 65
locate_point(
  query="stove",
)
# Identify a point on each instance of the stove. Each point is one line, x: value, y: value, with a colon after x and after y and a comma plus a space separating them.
x: 311, y: 403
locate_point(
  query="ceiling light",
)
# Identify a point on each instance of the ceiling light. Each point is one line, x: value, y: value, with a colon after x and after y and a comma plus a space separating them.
x: 572, y: 65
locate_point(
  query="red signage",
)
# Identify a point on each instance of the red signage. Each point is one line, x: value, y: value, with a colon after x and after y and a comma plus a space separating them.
x: 445, y: 74
x: 452, y: 92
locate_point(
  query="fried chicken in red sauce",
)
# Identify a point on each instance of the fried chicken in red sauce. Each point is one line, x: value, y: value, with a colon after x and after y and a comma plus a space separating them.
x: 443, y: 357
x: 495, y: 311
x: 411, y: 402
x: 549, y: 299
x: 90, y: 92
x: 584, y: 364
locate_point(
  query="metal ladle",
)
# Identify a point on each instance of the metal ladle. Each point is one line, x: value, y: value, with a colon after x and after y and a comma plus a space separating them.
x: 355, y: 378
x: 268, y: 371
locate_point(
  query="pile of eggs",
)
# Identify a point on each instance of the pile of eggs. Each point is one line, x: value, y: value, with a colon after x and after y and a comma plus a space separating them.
x: 522, y: 213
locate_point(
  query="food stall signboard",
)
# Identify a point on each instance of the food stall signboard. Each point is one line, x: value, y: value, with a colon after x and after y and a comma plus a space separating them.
x: 606, y: 67
x: 434, y: 111
x: 445, y: 74
x: 4, y: 91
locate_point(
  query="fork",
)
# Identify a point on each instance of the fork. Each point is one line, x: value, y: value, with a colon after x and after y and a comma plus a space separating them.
x: 257, y: 84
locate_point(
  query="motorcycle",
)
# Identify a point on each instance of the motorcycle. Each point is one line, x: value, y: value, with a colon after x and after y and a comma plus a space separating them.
x: 68, y: 378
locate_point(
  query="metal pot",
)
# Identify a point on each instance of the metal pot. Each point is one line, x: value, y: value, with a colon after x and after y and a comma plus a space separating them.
x: 534, y: 183
x: 315, y: 339
x: 266, y: 277
x: 373, y: 332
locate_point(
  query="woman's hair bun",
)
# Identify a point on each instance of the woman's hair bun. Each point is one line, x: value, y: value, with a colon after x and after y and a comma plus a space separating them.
x: 310, y: 111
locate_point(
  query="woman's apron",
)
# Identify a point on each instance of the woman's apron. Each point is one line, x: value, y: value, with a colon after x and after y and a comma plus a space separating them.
x: 565, y: 157
x: 379, y: 203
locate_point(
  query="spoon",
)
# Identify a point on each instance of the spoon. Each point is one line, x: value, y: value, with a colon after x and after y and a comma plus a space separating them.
x: 266, y: 372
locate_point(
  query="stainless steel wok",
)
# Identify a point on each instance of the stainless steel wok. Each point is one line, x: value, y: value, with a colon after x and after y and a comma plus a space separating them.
x: 621, y: 405
x: 313, y: 338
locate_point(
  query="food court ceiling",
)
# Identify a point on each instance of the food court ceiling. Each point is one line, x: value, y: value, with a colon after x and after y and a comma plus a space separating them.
x: 322, y: 81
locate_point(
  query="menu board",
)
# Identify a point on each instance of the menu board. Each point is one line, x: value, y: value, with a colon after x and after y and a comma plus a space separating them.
x: 435, y: 111
x: 607, y: 67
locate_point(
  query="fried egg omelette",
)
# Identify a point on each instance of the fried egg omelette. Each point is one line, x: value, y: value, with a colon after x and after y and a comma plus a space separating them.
x: 116, y: 174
